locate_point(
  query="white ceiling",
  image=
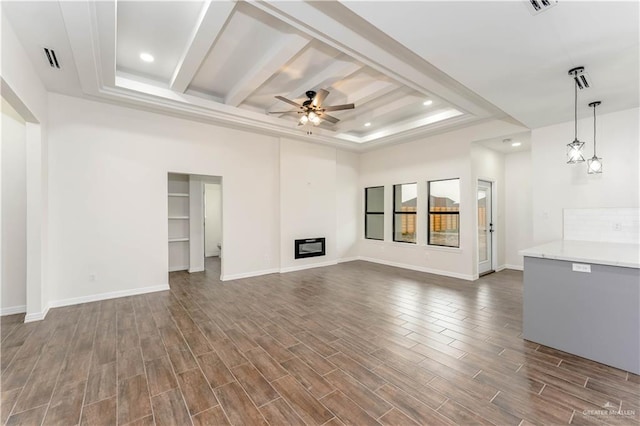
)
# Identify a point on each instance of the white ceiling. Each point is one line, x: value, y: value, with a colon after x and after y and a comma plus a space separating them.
x: 224, y: 61
x: 517, y: 61
x: 504, y: 144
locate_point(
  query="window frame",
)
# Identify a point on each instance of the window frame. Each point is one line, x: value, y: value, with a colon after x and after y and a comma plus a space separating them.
x: 367, y: 212
x: 445, y: 213
x: 394, y: 213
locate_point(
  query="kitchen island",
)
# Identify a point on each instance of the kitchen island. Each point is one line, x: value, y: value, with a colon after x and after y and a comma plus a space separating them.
x: 583, y: 298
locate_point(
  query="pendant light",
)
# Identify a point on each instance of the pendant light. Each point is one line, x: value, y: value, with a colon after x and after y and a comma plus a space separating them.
x: 594, y: 164
x: 574, y: 149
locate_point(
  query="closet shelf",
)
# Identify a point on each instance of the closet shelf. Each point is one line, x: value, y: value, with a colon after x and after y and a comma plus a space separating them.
x: 177, y: 240
x: 178, y: 194
x: 178, y: 217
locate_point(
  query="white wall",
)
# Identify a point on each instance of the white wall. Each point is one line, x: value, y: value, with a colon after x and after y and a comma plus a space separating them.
x: 519, y: 207
x: 196, y: 221
x: 213, y: 219
x: 349, y: 216
x: 22, y: 88
x: 488, y: 165
x: 13, y: 294
x: 108, y: 185
x: 438, y: 157
x: 308, y: 176
x: 557, y: 185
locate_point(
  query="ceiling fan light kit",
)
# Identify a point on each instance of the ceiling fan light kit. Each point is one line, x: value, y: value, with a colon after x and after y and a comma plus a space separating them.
x: 312, y: 113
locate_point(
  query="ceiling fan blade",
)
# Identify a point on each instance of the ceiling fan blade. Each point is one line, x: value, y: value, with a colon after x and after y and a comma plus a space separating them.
x: 339, y: 107
x: 283, y: 112
x: 283, y: 99
x: 320, y: 96
x: 329, y: 118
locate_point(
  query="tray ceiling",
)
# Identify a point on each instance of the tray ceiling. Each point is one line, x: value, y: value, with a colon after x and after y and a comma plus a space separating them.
x: 224, y: 61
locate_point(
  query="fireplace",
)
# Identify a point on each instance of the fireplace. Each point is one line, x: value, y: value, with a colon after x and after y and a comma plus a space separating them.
x: 309, y: 247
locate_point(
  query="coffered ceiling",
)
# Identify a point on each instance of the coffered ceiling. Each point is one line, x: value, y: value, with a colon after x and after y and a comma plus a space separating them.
x: 225, y: 61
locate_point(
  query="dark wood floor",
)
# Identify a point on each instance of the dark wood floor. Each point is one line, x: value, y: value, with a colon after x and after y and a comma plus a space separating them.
x: 356, y: 343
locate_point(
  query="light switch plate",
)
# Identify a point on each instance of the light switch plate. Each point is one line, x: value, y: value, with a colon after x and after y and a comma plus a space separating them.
x: 581, y: 267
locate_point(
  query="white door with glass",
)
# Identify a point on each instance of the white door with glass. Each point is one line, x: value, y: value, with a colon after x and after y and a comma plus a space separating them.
x: 485, y: 228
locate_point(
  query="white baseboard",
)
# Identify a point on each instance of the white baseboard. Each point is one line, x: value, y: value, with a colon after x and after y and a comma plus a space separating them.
x: 12, y: 310
x: 36, y: 316
x: 348, y: 259
x: 249, y: 274
x: 191, y: 271
x: 500, y: 268
x: 515, y: 267
x: 106, y: 296
x: 179, y: 268
x: 419, y: 268
x: 307, y: 266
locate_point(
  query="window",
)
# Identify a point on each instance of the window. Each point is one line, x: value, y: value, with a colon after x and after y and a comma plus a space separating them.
x: 405, y: 197
x: 444, y: 213
x: 374, y: 213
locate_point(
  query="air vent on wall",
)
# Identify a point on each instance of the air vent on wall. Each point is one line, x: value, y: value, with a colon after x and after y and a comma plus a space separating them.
x: 581, y: 78
x: 51, y: 57
x: 539, y: 6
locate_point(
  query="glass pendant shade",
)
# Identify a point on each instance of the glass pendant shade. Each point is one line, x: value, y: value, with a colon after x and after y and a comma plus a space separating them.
x: 574, y: 152
x: 304, y: 119
x: 594, y: 165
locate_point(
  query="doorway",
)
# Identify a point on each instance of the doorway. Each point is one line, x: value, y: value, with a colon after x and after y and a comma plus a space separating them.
x: 212, y: 226
x: 194, y: 244
x: 13, y: 212
x: 485, y: 227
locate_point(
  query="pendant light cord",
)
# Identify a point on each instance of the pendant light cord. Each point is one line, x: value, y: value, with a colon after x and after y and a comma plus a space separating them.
x: 575, y: 103
x: 594, y: 130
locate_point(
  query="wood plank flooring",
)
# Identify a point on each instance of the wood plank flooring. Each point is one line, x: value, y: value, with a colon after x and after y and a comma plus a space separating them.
x: 356, y: 343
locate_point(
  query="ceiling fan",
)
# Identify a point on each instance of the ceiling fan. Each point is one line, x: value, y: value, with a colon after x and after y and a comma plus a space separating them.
x: 311, y: 110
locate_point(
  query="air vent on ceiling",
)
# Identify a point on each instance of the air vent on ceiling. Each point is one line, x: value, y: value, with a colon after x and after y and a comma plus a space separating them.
x: 539, y: 6
x: 51, y: 57
x: 581, y: 78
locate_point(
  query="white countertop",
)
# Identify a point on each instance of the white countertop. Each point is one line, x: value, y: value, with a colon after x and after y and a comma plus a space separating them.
x: 613, y: 254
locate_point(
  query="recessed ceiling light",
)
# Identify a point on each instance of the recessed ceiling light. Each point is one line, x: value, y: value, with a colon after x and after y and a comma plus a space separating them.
x: 367, y: 124
x: 146, y: 57
x: 427, y: 102
x: 516, y: 144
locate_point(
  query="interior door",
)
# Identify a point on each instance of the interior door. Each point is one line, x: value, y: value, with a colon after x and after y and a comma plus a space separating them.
x: 485, y: 228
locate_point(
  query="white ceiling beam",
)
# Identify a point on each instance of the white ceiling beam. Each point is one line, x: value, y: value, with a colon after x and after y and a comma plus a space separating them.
x: 371, y: 92
x: 380, y: 111
x: 78, y: 21
x: 211, y: 21
x: 337, y: 71
x: 106, y: 24
x: 272, y: 60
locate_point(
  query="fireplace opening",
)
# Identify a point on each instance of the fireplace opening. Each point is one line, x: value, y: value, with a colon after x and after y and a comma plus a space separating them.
x: 309, y: 247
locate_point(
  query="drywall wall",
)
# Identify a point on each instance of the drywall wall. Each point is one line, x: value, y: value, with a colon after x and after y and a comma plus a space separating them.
x: 307, y: 201
x: 196, y: 221
x: 519, y: 207
x: 22, y: 88
x: 13, y: 294
x: 443, y: 156
x: 348, y: 208
x: 488, y: 165
x: 213, y: 219
x: 557, y: 185
x: 108, y: 203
